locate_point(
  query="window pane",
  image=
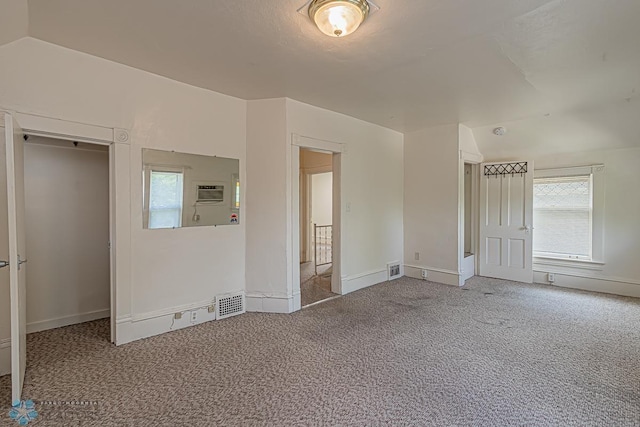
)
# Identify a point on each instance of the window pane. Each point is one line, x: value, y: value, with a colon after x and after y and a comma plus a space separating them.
x: 165, y: 200
x: 562, y: 216
x: 169, y: 218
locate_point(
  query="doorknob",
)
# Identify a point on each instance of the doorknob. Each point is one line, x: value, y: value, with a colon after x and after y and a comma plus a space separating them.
x: 4, y: 264
x: 527, y: 228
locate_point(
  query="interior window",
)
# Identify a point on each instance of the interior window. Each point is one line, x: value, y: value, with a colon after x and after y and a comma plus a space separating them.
x: 165, y: 199
x: 563, y: 215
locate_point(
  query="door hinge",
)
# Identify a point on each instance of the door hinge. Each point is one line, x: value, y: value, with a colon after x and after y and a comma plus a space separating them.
x: 20, y: 262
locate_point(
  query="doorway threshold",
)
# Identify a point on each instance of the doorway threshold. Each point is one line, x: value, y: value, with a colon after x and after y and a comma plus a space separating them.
x: 321, y: 301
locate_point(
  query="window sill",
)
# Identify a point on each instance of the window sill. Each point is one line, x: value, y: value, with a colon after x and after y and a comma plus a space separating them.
x: 572, y: 263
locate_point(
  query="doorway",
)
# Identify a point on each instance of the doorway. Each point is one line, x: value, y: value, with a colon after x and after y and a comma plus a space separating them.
x: 469, y: 203
x: 17, y: 128
x: 316, y: 226
x: 67, y: 233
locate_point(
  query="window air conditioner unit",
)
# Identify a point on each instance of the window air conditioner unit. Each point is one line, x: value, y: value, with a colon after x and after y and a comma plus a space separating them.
x: 210, y: 193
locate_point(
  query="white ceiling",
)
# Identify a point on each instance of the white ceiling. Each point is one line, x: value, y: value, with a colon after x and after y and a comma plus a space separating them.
x: 14, y: 20
x: 413, y: 64
x: 610, y: 126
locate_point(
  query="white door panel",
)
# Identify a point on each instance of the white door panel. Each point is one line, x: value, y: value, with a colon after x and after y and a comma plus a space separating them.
x: 14, y: 147
x: 506, y: 214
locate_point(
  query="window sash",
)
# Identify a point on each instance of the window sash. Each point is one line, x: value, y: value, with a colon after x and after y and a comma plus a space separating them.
x: 568, y: 232
x: 168, y: 213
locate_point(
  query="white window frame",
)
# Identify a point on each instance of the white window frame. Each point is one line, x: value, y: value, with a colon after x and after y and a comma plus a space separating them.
x: 596, y: 172
x: 147, y: 190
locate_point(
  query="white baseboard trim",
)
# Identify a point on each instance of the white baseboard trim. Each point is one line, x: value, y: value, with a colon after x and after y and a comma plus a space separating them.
x: 438, y: 275
x: 58, y: 322
x: 170, y: 311
x: 5, y: 356
x: 297, y: 302
x: 133, y: 328
x: 363, y: 280
x: 607, y: 285
x: 266, y: 303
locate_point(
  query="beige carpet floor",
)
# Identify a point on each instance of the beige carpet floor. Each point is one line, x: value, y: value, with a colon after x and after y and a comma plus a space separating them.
x: 407, y: 352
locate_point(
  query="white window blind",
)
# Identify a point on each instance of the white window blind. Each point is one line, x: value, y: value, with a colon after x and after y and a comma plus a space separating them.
x: 165, y: 199
x: 562, y: 217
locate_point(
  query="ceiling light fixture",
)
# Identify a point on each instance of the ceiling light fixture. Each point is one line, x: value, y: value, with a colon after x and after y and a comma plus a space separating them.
x: 338, y: 18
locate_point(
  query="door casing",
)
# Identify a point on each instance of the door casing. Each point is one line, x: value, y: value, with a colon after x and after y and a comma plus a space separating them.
x: 337, y: 149
x: 119, y: 211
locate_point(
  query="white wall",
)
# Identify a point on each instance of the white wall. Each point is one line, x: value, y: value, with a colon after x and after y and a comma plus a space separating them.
x: 266, y: 208
x: 372, y: 166
x: 606, y: 135
x: 67, y: 223
x: 468, y: 144
x: 162, y: 114
x: 371, y: 192
x: 321, y: 195
x: 621, y: 271
x: 431, y: 203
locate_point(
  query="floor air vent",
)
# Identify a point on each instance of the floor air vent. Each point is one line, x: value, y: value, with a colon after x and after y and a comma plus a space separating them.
x: 393, y: 270
x: 229, y: 305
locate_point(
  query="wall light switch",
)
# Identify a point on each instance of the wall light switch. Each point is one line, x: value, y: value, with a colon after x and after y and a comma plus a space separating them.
x: 416, y: 256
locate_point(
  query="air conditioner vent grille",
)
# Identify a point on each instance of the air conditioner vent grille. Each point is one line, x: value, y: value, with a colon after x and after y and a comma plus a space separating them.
x: 229, y: 305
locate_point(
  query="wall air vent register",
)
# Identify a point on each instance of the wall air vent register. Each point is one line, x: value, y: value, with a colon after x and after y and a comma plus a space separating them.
x: 230, y: 305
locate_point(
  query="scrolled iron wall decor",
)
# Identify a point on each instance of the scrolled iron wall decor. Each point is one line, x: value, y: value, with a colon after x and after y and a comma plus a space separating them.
x: 505, y: 169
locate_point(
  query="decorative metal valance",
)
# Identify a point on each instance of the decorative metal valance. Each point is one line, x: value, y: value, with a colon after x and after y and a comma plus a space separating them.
x: 505, y: 169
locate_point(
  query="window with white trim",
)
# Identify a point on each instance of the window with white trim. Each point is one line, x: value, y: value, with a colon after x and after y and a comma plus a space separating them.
x: 567, y: 213
x: 165, y: 199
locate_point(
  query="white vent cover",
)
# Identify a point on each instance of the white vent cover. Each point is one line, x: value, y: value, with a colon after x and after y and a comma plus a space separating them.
x: 393, y: 270
x: 229, y: 305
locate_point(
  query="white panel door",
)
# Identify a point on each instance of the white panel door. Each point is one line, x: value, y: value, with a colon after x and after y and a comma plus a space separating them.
x: 17, y: 253
x: 506, y: 214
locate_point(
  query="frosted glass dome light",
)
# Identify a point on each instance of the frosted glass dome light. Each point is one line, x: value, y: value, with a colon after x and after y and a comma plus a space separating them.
x: 338, y: 18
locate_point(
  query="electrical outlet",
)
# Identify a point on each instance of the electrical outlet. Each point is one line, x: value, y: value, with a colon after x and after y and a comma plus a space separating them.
x: 416, y: 256
x: 551, y: 277
x: 177, y: 316
x: 194, y: 316
x: 423, y: 273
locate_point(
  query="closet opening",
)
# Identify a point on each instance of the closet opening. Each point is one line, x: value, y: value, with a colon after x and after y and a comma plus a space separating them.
x: 67, y: 235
